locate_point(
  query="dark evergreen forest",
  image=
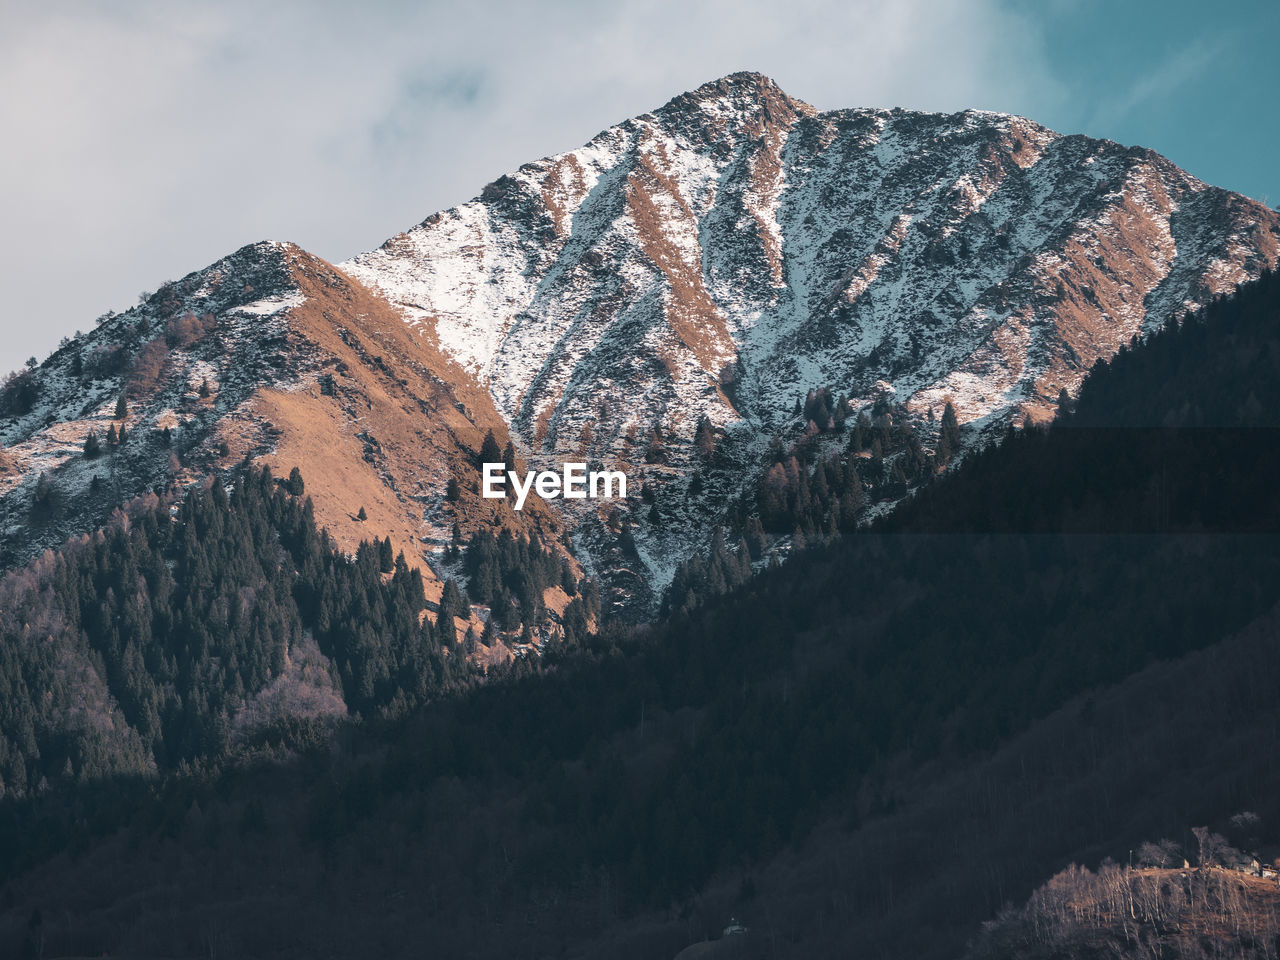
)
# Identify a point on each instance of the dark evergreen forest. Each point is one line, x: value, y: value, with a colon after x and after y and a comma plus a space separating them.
x: 185, y: 607
x: 510, y: 574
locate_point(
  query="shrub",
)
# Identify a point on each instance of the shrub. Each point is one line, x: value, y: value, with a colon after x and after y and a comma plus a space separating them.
x: 46, y: 494
x: 19, y: 392
x: 188, y: 329
x: 148, y: 367
x: 104, y: 360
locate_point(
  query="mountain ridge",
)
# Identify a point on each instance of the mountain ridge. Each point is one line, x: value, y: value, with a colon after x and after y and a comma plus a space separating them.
x: 273, y: 355
x: 705, y: 263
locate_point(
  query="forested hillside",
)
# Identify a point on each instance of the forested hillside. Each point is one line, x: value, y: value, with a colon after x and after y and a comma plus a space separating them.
x: 1178, y: 432
x: 144, y: 646
x: 603, y: 802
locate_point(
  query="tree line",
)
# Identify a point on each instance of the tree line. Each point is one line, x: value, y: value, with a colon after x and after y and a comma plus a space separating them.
x: 185, y: 607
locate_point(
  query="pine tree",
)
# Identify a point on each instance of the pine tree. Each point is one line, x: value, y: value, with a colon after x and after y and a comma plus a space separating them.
x: 820, y: 488
x: 844, y: 410
x: 92, y: 447
x: 362, y: 516
x: 453, y: 490
x: 654, y: 452
x: 452, y: 603
x: 743, y: 556
x: 489, y: 451
x: 1064, y: 402
x: 386, y: 556
x: 755, y: 538
x: 704, y: 439
x: 112, y: 437
x: 951, y: 424
x: 122, y: 407
x: 296, y: 486
x: 861, y: 427
x: 898, y: 476
x: 949, y: 438
x: 445, y: 628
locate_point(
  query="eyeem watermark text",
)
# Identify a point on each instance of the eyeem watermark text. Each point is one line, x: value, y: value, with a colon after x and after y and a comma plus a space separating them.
x: 572, y: 483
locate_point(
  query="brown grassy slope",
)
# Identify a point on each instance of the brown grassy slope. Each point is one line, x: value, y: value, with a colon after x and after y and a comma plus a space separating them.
x: 1120, y: 912
x: 400, y: 420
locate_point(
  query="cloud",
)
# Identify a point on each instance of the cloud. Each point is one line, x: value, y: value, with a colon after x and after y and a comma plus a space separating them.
x: 1178, y: 70
x: 421, y: 96
x: 148, y: 139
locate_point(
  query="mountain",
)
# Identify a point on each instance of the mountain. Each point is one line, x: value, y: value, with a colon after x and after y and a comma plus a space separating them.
x: 271, y: 355
x: 735, y: 248
x: 707, y: 264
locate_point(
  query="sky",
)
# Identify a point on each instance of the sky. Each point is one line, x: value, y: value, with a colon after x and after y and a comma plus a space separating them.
x: 143, y: 140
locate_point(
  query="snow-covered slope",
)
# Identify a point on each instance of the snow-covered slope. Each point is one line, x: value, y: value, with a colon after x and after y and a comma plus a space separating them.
x: 725, y: 253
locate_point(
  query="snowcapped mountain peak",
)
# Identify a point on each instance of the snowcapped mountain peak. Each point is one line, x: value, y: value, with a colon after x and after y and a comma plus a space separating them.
x: 724, y: 254
x: 739, y: 103
x: 736, y: 219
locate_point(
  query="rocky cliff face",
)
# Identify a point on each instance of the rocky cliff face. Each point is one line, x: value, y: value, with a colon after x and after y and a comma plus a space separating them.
x: 716, y: 259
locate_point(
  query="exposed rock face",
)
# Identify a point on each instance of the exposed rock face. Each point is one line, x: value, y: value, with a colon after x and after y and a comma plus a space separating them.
x: 715, y: 258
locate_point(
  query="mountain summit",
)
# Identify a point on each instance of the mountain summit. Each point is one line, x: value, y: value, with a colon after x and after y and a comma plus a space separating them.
x: 723, y: 255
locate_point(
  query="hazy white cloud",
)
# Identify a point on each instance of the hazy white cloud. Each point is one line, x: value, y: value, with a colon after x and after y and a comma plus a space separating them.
x: 145, y: 140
